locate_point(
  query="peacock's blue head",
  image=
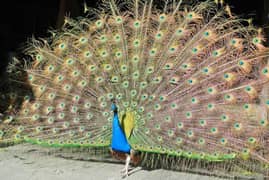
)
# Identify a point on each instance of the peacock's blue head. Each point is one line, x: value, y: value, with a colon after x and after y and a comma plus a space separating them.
x: 113, y: 107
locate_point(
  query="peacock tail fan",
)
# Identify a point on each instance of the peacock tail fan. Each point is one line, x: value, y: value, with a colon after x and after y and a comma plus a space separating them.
x: 192, y: 77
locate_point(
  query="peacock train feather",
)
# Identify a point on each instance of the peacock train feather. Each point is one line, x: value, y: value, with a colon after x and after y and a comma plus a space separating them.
x: 189, y: 79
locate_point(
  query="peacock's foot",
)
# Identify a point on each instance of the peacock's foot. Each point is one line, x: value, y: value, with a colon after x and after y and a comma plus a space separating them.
x: 126, y: 174
x: 125, y: 171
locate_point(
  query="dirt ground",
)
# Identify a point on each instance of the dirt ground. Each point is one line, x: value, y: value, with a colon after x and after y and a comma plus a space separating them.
x: 26, y: 162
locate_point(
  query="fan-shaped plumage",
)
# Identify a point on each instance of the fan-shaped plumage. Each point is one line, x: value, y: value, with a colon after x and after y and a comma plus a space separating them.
x: 191, y: 77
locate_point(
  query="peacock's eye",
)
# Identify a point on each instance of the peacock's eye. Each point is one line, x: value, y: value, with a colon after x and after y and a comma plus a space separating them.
x: 233, y: 41
x: 99, y: 23
x: 119, y: 19
x: 206, y: 34
x: 215, y: 53
x: 195, y: 50
x: 256, y: 40
x: 62, y: 46
x: 137, y: 24
x: 162, y: 17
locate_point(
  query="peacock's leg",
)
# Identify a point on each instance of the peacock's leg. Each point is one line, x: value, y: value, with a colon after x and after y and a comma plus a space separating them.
x: 126, y: 168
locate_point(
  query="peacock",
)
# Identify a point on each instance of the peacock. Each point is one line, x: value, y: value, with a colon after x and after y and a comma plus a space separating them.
x: 184, y: 84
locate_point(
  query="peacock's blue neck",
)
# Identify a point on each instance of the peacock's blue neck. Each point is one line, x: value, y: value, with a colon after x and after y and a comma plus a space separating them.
x: 119, y: 141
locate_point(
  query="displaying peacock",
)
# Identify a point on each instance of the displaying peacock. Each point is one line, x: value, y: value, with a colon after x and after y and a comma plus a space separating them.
x: 186, y: 83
